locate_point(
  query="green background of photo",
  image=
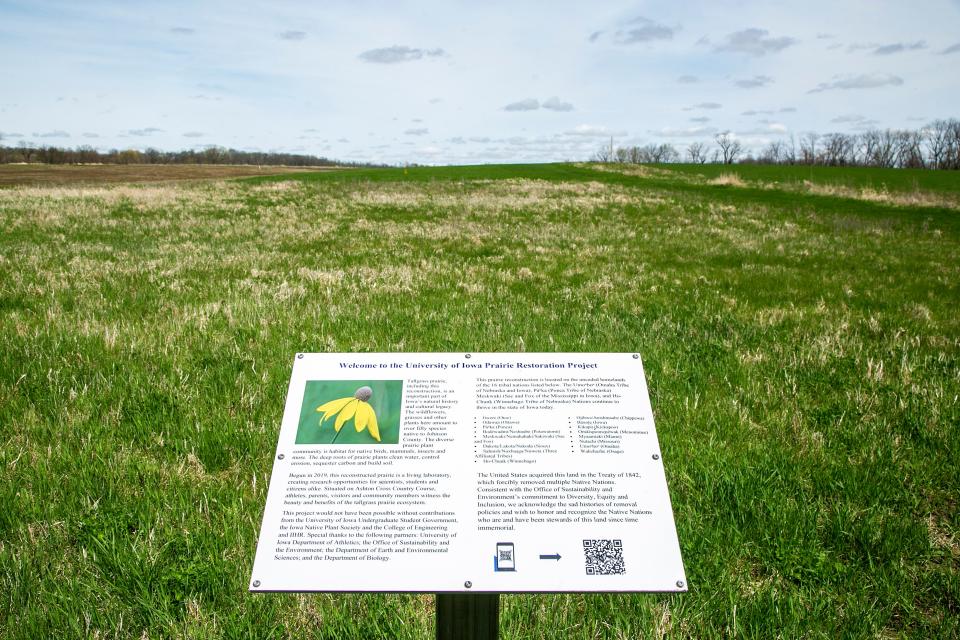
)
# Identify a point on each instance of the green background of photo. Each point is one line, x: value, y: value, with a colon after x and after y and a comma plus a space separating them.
x: 386, y: 402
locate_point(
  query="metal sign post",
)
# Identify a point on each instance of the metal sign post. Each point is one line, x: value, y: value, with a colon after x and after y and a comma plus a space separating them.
x: 468, y: 616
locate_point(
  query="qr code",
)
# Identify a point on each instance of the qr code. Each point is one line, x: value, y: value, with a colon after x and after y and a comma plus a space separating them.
x: 604, y: 557
x: 506, y: 555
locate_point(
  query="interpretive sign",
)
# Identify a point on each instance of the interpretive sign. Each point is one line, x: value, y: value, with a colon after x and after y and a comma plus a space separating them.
x: 453, y: 472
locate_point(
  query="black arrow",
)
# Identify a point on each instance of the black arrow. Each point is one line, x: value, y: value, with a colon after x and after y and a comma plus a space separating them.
x: 554, y: 556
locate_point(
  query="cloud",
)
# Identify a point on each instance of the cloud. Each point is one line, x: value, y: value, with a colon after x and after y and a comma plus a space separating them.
x: 530, y: 104
x: 397, y: 54
x: 686, y: 132
x: 293, y: 36
x: 10, y: 134
x: 592, y: 131
x: 193, y: 134
x: 856, y: 120
x: 419, y: 131
x: 774, y: 128
x: 57, y: 133
x: 688, y: 79
x: 435, y: 100
x: 642, y: 30
x: 700, y: 119
x: 788, y: 110
x: 954, y: 48
x: 636, y: 31
x: 144, y: 132
x: 183, y: 31
x: 555, y: 104
x: 862, y: 81
x: 88, y: 134
x: 899, y: 47
x: 704, y: 105
x: 754, y: 42
x: 757, y: 112
x: 754, y: 82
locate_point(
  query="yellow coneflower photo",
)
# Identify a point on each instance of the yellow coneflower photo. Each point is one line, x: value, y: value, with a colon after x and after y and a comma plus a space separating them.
x: 371, y: 407
x: 357, y: 408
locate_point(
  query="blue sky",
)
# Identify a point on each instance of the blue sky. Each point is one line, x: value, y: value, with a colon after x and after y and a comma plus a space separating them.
x: 467, y: 82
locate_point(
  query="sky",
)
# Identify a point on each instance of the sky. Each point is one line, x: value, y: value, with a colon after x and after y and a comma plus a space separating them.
x: 468, y: 82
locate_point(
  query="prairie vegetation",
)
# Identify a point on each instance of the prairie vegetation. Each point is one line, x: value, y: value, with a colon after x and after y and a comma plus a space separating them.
x: 802, y: 346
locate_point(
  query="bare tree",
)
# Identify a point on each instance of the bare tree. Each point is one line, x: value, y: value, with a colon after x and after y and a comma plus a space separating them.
x: 937, y: 137
x: 697, y: 152
x: 773, y: 153
x: 808, y: 148
x: 730, y: 147
x: 603, y: 154
x: 839, y: 149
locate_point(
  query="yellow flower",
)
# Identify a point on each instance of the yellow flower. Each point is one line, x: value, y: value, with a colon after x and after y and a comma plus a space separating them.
x: 356, y: 407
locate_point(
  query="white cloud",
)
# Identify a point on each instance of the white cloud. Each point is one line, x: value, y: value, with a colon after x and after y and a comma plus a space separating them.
x: 148, y: 131
x: 399, y: 53
x: 862, y: 81
x: 899, y: 47
x: 555, y: 104
x: 754, y: 42
x: 685, y: 132
x: 530, y: 104
x: 592, y: 131
x: 419, y: 131
x: 754, y: 82
x: 292, y: 36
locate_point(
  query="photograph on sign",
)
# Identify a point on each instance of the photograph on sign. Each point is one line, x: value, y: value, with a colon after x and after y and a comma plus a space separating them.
x: 350, y: 412
x: 452, y: 472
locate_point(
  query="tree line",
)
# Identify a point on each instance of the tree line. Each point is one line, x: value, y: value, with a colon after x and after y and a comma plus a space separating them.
x: 210, y: 155
x: 935, y: 146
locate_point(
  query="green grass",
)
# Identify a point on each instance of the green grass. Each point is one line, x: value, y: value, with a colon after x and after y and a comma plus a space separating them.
x: 802, y: 352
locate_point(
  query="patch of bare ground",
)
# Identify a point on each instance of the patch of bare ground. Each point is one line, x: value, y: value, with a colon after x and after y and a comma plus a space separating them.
x: 45, y: 174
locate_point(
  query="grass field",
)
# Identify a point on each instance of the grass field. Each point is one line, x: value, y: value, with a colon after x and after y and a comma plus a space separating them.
x: 54, y: 174
x: 802, y: 343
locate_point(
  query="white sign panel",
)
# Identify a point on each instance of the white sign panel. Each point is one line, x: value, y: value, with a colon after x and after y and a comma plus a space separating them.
x: 484, y: 472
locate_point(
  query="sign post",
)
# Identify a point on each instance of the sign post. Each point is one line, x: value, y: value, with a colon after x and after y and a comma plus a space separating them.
x: 468, y: 475
x: 469, y: 616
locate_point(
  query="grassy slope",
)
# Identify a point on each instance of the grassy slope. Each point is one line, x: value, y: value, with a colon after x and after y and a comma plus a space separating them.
x: 802, y: 354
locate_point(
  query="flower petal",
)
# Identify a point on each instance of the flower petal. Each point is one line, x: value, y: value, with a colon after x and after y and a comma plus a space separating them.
x: 330, y: 408
x: 346, y: 414
x: 363, y: 414
x: 372, y: 425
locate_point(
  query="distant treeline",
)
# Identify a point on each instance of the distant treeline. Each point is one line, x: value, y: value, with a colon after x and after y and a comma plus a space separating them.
x: 936, y: 146
x: 211, y: 155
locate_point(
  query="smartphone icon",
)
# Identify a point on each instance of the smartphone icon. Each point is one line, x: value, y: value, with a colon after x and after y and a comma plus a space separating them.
x: 504, y: 560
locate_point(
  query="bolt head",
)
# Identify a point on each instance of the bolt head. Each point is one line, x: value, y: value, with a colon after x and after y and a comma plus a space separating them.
x: 636, y: 356
x: 680, y: 584
x: 280, y: 457
x: 256, y: 583
x: 467, y: 356
x: 656, y: 456
x: 467, y: 584
x: 299, y: 356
